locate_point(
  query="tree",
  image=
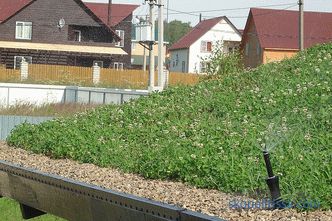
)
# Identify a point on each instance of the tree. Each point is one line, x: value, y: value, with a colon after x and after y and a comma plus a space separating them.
x: 175, y: 30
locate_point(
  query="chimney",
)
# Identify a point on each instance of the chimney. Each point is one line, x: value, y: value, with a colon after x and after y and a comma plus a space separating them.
x: 109, y: 12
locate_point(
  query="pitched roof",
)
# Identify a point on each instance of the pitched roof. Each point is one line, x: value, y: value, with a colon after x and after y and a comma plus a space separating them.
x: 198, y: 31
x: 279, y: 28
x: 9, y: 8
x: 119, y: 11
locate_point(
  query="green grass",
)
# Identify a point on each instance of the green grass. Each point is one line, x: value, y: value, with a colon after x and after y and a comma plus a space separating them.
x: 211, y: 135
x: 10, y: 211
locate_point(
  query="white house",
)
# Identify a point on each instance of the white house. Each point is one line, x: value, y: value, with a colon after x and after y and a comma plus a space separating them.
x: 188, y: 53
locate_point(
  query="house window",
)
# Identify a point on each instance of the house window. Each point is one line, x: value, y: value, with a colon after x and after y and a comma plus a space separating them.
x: 118, y: 66
x: 203, y: 67
x: 77, y: 35
x: 183, y: 66
x: 99, y: 63
x: 121, y: 34
x: 247, y: 49
x: 18, y: 60
x: 206, y: 46
x: 23, y: 30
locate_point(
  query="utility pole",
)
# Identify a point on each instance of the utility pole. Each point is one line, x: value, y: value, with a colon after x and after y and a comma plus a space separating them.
x: 151, y: 44
x: 301, y: 25
x: 161, y: 53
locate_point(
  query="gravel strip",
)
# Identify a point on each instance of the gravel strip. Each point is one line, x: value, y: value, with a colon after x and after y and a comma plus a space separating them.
x: 210, y: 202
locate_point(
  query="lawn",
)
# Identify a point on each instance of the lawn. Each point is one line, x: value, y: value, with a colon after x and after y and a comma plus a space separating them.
x: 211, y: 135
x: 10, y: 211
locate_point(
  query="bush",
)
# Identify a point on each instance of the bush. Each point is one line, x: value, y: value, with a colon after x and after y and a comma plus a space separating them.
x: 221, y: 63
x: 211, y: 135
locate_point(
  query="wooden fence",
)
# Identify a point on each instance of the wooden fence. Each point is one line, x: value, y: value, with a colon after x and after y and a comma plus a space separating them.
x: 9, y: 75
x: 82, y: 76
x: 60, y: 74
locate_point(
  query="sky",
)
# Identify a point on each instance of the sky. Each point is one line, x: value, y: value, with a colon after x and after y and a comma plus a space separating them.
x: 238, y: 16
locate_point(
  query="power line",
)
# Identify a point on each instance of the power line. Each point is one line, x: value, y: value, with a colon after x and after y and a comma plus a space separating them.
x: 227, y: 9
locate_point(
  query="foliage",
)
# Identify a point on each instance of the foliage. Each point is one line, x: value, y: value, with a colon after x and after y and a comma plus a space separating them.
x: 221, y: 63
x: 211, y: 135
x: 175, y: 30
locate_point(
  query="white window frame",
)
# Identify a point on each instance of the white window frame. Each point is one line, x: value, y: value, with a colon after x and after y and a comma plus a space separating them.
x: 27, y: 58
x: 79, y: 35
x: 204, y: 46
x: 121, y: 34
x: 118, y: 66
x: 26, y: 32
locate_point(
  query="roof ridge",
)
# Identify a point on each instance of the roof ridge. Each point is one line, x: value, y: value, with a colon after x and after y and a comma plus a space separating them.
x: 173, y: 47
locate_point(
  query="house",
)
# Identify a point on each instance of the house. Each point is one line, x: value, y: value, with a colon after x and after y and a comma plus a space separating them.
x: 65, y: 32
x: 272, y: 35
x: 188, y: 53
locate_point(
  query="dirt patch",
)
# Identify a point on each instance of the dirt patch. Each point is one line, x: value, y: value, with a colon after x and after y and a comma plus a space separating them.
x: 210, y: 202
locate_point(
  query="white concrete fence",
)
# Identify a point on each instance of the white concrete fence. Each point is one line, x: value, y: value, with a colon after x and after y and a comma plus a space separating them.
x: 15, y: 94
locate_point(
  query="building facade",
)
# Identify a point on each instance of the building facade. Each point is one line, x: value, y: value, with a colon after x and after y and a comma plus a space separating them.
x: 191, y: 53
x: 46, y: 28
x: 272, y: 35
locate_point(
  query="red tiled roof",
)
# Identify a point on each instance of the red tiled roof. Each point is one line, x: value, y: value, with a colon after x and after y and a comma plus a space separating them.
x: 279, y: 28
x: 119, y: 11
x: 9, y: 7
x: 198, y: 31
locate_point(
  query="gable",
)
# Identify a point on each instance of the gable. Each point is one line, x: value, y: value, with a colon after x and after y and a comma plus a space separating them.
x: 202, y: 29
x: 10, y: 7
x: 50, y: 12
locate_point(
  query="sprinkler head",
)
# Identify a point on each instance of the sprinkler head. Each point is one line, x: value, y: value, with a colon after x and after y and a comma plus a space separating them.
x: 273, y: 183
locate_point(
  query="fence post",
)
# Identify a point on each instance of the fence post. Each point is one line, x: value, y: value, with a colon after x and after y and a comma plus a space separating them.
x: 24, y: 70
x: 166, y: 78
x: 96, y: 74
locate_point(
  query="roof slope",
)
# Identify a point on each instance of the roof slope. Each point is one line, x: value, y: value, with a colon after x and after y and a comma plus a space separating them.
x: 279, y: 28
x: 198, y: 31
x: 119, y: 11
x: 10, y: 7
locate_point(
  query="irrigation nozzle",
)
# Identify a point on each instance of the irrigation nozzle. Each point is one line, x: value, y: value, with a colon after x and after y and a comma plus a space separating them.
x: 273, y: 183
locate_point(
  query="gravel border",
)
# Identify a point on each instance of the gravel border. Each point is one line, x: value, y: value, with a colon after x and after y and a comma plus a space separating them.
x: 211, y: 202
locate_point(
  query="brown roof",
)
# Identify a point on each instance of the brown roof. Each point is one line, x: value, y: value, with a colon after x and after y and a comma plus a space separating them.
x: 198, y: 31
x: 279, y: 28
x: 119, y: 11
x: 8, y: 8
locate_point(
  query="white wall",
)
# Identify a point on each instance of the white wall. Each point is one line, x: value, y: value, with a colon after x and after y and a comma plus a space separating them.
x: 220, y: 32
x: 13, y: 94
x: 176, y: 59
x: 193, y: 56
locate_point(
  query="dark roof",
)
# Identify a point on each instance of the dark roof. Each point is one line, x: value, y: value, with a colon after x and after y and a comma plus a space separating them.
x: 9, y: 8
x: 279, y: 28
x: 198, y: 31
x: 119, y: 11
